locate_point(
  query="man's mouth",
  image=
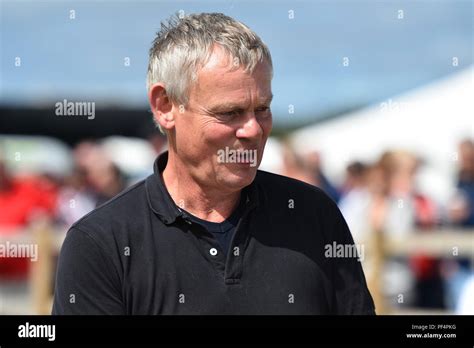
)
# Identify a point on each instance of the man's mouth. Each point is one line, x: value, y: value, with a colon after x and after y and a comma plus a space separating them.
x: 241, y: 156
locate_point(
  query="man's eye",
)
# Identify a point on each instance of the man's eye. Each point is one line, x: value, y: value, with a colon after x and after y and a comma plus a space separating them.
x: 229, y: 113
x: 264, y: 110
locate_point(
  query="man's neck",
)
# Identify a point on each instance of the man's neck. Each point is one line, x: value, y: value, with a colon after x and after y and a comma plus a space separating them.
x: 205, y: 203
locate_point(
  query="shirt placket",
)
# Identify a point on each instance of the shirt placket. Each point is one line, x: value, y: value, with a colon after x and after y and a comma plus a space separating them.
x: 228, y: 267
x: 208, y: 246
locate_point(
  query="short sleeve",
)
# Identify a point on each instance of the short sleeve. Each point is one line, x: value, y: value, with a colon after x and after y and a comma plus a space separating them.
x: 87, y: 281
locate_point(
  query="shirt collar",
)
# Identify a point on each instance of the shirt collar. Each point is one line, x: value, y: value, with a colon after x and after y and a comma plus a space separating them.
x: 163, y: 205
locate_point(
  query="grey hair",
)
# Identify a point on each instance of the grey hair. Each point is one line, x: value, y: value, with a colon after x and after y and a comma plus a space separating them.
x: 185, y: 43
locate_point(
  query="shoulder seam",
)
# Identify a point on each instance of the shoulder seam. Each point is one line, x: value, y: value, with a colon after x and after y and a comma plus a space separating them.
x: 90, y: 236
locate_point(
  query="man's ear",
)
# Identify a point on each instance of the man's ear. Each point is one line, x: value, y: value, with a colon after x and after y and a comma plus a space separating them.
x: 161, y: 106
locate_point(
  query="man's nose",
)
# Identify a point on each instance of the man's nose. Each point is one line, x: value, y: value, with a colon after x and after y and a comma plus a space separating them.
x: 251, y: 128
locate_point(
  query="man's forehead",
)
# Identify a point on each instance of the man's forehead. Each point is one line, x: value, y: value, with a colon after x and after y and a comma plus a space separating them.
x: 218, y: 80
x: 235, y: 91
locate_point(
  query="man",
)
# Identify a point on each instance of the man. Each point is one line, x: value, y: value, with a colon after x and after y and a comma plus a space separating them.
x: 207, y: 233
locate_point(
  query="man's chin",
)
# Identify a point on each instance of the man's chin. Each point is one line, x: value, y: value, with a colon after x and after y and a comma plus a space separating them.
x: 239, y: 178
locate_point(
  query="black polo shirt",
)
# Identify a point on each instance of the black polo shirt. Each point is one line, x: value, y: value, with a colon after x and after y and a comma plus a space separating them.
x: 140, y: 254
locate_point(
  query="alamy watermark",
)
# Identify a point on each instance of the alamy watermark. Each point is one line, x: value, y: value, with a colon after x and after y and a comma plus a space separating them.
x: 336, y: 250
x: 228, y: 155
x: 10, y: 250
x: 28, y: 330
x: 69, y: 108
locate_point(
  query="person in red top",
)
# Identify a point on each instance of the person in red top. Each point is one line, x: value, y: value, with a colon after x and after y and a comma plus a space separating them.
x: 21, y: 199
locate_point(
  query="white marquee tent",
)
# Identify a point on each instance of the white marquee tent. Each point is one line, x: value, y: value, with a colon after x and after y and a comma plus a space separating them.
x: 429, y: 121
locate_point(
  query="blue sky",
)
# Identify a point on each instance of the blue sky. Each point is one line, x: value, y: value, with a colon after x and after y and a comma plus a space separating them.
x: 83, y: 58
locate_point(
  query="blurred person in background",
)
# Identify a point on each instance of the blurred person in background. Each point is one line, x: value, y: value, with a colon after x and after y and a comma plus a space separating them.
x: 364, y: 200
x: 401, y: 168
x: 355, y: 198
x: 294, y: 166
x: 409, y: 211
x: 307, y: 167
x: 363, y: 205
x: 75, y: 198
x: 312, y: 161
x: 106, y: 179
x: 383, y: 198
x: 461, y: 214
x: 356, y: 175
x: 102, y: 175
x: 22, y: 200
x: 94, y: 180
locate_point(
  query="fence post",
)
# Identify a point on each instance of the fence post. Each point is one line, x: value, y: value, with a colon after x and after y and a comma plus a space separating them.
x: 41, y: 276
x: 377, y: 250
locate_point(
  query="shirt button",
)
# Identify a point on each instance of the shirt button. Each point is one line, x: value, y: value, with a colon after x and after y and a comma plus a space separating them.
x: 213, y: 251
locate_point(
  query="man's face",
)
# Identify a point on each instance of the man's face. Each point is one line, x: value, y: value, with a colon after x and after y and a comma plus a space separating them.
x: 227, y: 110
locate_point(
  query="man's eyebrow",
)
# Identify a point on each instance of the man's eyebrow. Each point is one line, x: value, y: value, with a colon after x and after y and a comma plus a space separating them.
x: 236, y: 105
x: 226, y: 106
